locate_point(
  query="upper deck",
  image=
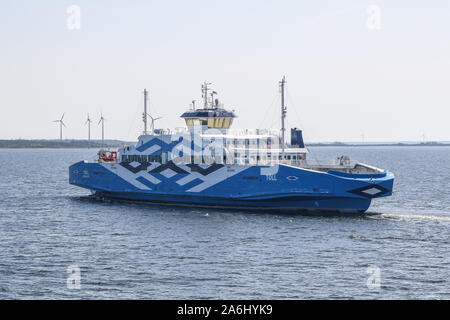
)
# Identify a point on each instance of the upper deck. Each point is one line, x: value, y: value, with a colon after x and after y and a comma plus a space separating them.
x: 208, y: 139
x: 238, y: 147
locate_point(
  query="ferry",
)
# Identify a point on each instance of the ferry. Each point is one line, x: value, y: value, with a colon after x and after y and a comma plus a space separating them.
x: 207, y: 164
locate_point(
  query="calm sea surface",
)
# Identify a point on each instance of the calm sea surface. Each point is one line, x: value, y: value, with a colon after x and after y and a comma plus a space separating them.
x: 136, y: 250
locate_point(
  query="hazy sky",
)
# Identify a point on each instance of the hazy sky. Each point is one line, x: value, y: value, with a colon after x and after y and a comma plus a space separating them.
x: 346, y: 77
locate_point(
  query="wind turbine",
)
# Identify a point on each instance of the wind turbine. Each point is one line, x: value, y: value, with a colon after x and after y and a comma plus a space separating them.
x: 61, y: 124
x: 152, y: 126
x: 88, y: 122
x: 102, y: 120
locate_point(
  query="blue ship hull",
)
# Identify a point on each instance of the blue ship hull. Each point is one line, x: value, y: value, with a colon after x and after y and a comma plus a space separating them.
x: 235, y: 186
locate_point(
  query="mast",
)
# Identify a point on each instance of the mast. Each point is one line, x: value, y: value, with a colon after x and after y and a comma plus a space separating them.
x: 205, y: 94
x: 89, y: 131
x: 283, y: 115
x: 144, y: 116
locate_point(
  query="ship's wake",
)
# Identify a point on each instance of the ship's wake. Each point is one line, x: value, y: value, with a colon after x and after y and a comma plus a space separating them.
x: 411, y: 217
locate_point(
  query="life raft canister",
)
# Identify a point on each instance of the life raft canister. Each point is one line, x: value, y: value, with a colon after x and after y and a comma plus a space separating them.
x: 108, y: 156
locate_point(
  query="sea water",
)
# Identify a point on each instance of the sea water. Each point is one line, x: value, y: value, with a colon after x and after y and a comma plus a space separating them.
x: 57, y: 242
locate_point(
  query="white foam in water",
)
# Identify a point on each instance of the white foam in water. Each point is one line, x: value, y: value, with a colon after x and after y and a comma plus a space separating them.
x: 416, y: 216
